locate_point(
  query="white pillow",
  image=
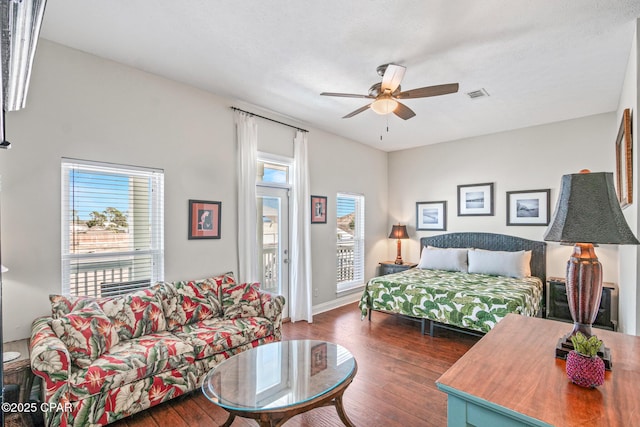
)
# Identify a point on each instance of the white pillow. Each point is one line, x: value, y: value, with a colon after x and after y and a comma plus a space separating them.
x: 500, y: 263
x: 451, y: 259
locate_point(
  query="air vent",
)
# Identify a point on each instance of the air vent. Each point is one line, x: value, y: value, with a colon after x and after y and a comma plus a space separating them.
x: 480, y: 93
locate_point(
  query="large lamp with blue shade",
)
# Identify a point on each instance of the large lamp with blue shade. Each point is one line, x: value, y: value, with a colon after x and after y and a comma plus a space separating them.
x: 587, y: 213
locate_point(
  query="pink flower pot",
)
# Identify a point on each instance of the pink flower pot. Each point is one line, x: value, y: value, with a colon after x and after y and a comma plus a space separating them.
x: 585, y: 371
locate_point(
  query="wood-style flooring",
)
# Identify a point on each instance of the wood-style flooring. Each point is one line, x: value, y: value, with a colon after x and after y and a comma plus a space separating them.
x: 394, y: 386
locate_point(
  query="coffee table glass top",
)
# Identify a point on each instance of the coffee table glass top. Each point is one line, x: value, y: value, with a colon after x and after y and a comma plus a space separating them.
x: 278, y: 375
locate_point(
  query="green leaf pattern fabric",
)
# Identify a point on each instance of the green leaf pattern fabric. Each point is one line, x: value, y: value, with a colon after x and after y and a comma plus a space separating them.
x: 465, y: 300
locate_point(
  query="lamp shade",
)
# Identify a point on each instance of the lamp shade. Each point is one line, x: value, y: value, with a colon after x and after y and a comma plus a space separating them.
x: 384, y: 105
x: 399, y: 232
x: 588, y: 211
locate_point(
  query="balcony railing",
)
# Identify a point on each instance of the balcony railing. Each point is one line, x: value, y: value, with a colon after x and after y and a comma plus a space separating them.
x: 345, y: 262
x: 102, y: 279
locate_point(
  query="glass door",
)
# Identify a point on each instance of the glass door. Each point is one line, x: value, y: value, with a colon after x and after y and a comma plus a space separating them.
x: 273, y: 241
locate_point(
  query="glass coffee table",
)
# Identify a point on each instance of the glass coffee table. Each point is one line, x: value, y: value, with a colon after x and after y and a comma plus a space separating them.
x: 273, y: 382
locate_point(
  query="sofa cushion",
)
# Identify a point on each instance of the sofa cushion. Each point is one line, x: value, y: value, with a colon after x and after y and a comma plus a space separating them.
x: 241, y: 300
x: 130, y: 361
x: 87, y: 332
x: 134, y: 315
x: 184, y: 303
x: 213, y: 336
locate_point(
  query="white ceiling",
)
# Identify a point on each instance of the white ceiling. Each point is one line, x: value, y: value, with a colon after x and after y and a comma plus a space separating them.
x: 541, y: 61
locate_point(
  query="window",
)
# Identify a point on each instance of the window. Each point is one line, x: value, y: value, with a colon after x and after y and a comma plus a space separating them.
x: 350, y: 241
x: 272, y: 172
x: 112, y: 228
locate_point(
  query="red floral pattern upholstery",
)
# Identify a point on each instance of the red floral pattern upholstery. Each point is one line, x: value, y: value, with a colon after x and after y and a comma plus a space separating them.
x: 133, y: 315
x: 150, y: 365
x: 187, y: 302
x: 86, y: 332
x: 215, y: 336
x: 241, y: 300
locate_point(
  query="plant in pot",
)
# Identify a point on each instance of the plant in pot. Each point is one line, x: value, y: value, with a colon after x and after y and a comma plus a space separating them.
x: 584, y: 367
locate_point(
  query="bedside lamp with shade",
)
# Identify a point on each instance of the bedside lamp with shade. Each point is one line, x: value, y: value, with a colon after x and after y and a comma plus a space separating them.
x: 399, y: 232
x: 587, y: 213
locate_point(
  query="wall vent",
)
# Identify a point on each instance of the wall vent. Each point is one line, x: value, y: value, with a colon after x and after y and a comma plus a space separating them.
x: 480, y: 93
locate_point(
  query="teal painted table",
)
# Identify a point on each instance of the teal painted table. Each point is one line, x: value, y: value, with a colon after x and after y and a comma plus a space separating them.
x: 511, y: 378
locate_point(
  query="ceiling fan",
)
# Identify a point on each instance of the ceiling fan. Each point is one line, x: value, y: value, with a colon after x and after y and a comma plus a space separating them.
x: 386, y: 93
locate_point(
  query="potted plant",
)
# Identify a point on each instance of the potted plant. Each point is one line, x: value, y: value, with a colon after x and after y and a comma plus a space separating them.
x: 584, y: 367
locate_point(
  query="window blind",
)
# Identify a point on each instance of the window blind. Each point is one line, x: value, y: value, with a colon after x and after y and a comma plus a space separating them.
x: 112, y: 228
x: 350, y: 240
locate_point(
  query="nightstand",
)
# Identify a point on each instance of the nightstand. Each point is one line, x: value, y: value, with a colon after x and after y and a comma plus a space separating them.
x: 558, y: 307
x: 389, y: 267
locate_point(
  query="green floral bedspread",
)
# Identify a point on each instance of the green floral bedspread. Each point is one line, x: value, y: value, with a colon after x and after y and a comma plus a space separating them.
x: 470, y: 301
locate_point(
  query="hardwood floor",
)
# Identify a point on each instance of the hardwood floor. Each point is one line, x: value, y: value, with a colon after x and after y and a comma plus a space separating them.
x: 394, y: 386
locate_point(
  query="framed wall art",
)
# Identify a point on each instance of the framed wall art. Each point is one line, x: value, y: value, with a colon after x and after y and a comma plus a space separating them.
x: 530, y: 207
x: 475, y: 199
x: 204, y: 219
x: 318, y: 210
x: 624, y: 161
x: 431, y: 215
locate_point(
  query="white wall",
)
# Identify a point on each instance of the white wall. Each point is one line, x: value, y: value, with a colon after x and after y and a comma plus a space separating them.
x: 525, y: 159
x: 628, y: 314
x: 84, y: 107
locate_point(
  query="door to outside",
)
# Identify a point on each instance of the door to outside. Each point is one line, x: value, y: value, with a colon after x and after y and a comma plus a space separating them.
x: 273, y: 241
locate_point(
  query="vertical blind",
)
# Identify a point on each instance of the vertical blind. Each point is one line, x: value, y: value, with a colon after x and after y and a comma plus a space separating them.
x: 350, y: 241
x: 112, y: 228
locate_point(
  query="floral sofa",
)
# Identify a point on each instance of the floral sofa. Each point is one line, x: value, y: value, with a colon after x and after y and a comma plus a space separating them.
x: 102, y: 359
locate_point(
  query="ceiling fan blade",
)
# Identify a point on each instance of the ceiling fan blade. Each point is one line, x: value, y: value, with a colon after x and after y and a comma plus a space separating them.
x: 424, y: 92
x: 403, y: 111
x: 346, y: 95
x: 358, y: 111
x: 392, y: 77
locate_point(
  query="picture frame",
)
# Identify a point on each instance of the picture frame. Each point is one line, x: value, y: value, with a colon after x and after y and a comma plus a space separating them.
x: 204, y: 219
x: 431, y: 215
x: 318, y: 210
x: 475, y: 199
x: 624, y: 161
x: 530, y: 207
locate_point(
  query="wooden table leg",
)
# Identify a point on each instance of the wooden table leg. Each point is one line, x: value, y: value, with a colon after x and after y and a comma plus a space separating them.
x: 340, y: 409
x: 229, y: 421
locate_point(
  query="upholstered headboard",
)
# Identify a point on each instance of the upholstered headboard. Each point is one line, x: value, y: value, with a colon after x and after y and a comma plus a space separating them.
x: 494, y: 242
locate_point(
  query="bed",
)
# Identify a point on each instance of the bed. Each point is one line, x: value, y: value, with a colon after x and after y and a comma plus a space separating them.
x: 470, y: 302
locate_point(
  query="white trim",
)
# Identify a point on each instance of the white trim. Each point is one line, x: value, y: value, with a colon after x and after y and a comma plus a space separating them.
x: 350, y: 298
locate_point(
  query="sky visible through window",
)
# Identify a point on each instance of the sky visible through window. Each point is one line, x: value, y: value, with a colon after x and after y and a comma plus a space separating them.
x: 346, y: 206
x: 97, y: 192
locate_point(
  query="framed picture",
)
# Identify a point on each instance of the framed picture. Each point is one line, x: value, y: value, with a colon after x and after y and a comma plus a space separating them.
x: 318, y: 210
x: 624, y: 161
x: 528, y: 207
x: 204, y: 219
x: 475, y: 199
x: 431, y: 215
x: 318, y: 358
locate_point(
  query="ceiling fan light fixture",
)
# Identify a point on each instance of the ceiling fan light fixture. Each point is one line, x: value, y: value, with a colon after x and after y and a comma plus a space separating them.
x: 384, y: 105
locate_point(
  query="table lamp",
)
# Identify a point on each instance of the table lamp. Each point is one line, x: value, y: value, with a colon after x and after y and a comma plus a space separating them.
x: 399, y: 232
x: 587, y: 213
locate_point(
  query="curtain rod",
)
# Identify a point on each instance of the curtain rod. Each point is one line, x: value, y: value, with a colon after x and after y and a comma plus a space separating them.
x: 271, y: 120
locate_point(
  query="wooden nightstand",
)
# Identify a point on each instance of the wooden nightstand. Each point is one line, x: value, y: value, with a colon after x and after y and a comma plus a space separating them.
x: 388, y: 267
x: 18, y: 372
x: 558, y: 307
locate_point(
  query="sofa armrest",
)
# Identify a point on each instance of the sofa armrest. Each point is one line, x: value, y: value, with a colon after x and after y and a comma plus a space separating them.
x: 272, y: 306
x: 50, y: 357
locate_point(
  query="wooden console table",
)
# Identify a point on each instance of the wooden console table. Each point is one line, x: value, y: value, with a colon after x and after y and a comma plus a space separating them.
x: 511, y: 378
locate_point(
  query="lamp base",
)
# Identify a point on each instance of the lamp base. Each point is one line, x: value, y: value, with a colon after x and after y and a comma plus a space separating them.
x: 564, y: 346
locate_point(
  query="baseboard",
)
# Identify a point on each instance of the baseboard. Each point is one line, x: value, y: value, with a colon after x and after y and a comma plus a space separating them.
x: 338, y: 302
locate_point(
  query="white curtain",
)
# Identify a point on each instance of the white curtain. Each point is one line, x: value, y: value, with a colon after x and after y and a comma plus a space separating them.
x: 247, y: 134
x: 300, y: 307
